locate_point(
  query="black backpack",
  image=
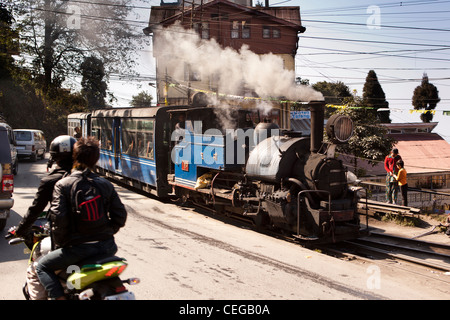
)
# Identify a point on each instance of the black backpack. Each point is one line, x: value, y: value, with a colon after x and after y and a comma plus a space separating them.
x: 89, y: 207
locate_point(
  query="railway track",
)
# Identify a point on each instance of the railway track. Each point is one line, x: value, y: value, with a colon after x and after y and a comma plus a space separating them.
x: 431, y: 255
x: 427, y: 254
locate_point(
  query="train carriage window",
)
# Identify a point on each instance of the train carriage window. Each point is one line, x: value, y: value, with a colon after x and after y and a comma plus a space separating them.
x: 145, y: 125
x: 101, y: 129
x: 95, y: 131
x: 149, y: 145
x: 129, y: 137
x: 137, y: 138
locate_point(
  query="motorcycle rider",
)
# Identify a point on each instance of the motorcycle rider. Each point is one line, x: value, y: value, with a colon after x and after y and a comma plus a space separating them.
x: 60, y: 153
x: 72, y: 244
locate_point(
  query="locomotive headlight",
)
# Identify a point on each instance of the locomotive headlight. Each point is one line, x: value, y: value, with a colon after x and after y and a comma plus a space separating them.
x: 339, y: 128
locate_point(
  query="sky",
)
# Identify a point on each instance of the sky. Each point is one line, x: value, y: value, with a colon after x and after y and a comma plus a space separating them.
x: 400, y: 40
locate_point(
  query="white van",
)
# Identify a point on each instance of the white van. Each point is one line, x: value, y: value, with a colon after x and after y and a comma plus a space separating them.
x: 30, y: 143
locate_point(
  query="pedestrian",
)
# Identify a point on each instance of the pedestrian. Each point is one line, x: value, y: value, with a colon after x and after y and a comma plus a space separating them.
x: 75, y: 235
x: 401, y: 178
x: 77, y: 133
x: 390, y: 165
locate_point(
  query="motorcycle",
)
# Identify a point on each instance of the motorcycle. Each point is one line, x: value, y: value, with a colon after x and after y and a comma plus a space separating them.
x: 92, y: 279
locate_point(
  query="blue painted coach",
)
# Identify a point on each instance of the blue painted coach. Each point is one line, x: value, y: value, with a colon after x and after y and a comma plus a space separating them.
x: 157, y: 148
x: 134, y: 145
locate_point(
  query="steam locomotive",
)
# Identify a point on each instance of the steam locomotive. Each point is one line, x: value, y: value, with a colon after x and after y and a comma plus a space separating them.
x: 278, y: 179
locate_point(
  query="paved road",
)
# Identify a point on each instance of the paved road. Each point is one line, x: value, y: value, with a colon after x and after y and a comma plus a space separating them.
x: 179, y: 253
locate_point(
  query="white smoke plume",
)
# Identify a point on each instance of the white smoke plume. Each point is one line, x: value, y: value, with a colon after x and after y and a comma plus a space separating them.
x: 231, y: 70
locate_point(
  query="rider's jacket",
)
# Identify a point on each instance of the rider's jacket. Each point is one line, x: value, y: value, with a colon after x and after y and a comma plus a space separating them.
x: 42, y: 198
x: 62, y: 216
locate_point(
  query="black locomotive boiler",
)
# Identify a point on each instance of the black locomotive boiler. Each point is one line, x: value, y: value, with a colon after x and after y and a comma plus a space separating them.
x: 279, y: 179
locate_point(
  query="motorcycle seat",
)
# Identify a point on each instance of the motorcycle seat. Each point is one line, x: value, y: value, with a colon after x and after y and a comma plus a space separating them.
x: 99, y: 260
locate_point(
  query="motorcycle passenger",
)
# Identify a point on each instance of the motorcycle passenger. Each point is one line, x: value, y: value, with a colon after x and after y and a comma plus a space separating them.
x: 60, y: 153
x: 73, y: 244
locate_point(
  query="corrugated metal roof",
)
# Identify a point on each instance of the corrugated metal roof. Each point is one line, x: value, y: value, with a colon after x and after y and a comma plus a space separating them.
x: 423, y: 152
x: 302, y: 125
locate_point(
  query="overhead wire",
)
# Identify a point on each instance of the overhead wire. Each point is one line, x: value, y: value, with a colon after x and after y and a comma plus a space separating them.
x: 440, y: 46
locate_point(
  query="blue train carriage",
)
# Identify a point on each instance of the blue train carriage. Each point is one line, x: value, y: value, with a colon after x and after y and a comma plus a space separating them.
x: 210, y: 142
x: 82, y: 120
x: 135, y: 146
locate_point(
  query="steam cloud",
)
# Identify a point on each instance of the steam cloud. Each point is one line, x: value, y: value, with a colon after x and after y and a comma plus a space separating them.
x: 231, y: 70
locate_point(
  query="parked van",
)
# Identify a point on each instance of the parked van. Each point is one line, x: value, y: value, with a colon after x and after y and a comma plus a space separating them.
x: 6, y: 174
x: 12, y: 147
x: 30, y: 143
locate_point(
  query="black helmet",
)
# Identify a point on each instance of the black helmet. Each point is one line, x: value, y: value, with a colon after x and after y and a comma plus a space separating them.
x: 61, y: 149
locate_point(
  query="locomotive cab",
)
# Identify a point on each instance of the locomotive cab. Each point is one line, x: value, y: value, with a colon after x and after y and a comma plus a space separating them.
x: 213, y: 139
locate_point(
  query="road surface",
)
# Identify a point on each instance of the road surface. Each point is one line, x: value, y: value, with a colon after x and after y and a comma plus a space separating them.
x: 180, y: 253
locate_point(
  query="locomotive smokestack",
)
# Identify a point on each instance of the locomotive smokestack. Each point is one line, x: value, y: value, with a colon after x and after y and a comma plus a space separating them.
x: 317, y: 109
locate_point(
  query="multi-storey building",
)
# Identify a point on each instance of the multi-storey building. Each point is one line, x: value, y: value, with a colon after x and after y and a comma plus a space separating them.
x: 263, y: 29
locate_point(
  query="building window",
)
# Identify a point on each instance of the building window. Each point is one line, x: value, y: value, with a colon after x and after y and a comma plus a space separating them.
x: 271, y: 32
x: 202, y: 29
x: 240, y: 29
x: 235, y: 30
x: 205, y: 30
x: 190, y: 74
x: 276, y: 33
x: 245, y: 30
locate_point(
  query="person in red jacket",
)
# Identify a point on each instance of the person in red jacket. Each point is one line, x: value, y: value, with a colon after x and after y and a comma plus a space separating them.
x: 390, y: 165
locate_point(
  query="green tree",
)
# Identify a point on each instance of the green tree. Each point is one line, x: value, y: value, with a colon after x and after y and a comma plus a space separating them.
x: 374, y: 97
x: 8, y: 43
x: 60, y: 34
x: 22, y: 103
x: 335, y: 93
x: 425, y: 97
x: 142, y: 99
x: 92, y: 83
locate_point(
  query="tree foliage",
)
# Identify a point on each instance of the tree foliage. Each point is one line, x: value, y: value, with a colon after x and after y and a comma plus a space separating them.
x: 22, y: 103
x: 142, y: 99
x: 426, y: 96
x: 94, y: 87
x: 7, y: 42
x: 334, y: 93
x: 374, y: 97
x: 60, y: 34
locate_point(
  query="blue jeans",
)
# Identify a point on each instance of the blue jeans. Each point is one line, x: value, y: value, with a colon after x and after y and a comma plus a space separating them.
x: 61, y: 258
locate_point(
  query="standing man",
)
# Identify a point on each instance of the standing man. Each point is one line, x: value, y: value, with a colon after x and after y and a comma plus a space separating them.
x: 390, y: 165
